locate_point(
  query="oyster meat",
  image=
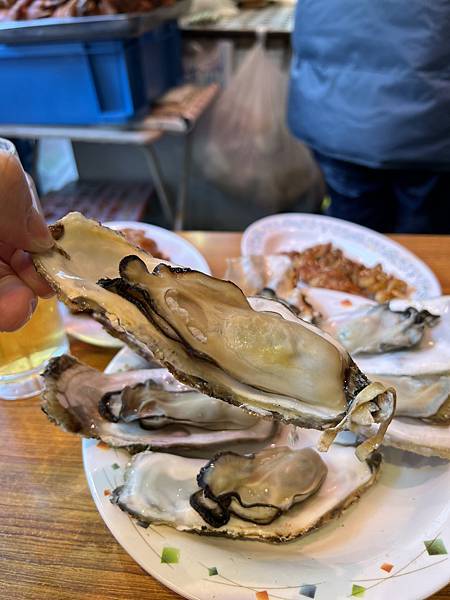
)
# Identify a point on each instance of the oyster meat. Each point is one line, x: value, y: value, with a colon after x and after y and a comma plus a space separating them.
x: 158, y: 489
x: 376, y: 328
x: 257, y: 487
x: 145, y: 409
x: 154, y: 407
x: 431, y: 356
x: 208, y: 335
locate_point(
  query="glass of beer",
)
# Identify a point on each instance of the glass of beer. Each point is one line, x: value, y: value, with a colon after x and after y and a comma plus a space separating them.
x: 24, y: 353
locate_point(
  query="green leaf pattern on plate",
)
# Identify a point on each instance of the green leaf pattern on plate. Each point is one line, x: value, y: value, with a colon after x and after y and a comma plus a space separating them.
x: 435, y: 547
x: 170, y: 556
x: 358, y: 591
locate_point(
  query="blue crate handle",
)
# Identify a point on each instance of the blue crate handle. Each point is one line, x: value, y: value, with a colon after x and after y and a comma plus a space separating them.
x: 127, y: 108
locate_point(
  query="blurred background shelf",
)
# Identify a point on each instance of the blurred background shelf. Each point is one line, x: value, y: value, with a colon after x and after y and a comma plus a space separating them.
x: 177, y: 112
x: 277, y: 20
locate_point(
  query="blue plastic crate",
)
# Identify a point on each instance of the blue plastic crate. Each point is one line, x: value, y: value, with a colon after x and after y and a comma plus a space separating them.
x: 87, y: 82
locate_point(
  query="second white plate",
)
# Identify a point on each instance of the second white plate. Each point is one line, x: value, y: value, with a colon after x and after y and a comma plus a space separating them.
x: 297, y: 231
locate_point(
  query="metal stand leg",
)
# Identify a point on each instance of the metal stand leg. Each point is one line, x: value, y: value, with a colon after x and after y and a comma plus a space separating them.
x: 184, y: 182
x: 155, y: 171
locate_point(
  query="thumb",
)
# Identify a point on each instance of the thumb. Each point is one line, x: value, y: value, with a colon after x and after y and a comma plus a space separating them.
x: 21, y: 225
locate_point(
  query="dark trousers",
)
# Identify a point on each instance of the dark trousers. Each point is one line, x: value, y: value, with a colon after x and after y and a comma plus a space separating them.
x: 401, y: 201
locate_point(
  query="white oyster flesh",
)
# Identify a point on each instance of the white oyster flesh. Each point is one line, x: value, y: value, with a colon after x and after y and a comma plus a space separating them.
x: 206, y: 333
x: 375, y: 329
x: 415, y: 436
x: 77, y: 398
x: 423, y: 397
x: 158, y: 489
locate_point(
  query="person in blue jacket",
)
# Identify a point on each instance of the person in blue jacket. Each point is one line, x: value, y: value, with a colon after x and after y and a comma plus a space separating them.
x: 370, y: 94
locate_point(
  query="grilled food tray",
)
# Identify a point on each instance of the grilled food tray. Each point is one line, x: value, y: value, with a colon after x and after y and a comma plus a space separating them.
x: 101, y: 27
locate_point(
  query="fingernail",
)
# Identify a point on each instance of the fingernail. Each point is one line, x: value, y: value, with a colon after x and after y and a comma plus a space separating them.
x: 33, y: 304
x: 41, y: 239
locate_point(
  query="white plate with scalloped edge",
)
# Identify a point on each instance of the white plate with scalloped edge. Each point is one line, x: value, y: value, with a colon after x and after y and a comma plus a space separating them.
x: 297, y: 231
x: 391, y: 544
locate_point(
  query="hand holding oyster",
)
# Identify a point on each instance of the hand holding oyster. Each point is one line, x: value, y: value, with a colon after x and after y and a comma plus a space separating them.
x: 263, y: 359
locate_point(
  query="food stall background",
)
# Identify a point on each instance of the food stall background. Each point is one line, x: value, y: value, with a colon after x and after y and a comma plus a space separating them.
x: 215, y: 44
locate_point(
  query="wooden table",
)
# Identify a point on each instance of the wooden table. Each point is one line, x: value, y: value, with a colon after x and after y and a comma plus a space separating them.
x: 53, y: 543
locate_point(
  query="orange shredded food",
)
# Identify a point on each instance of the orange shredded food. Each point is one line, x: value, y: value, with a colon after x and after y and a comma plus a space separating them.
x: 325, y: 266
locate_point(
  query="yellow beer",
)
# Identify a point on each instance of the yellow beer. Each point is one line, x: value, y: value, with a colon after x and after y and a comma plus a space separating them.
x: 23, y: 353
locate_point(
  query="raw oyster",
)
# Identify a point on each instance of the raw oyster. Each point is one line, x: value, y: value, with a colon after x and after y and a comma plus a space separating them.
x: 154, y: 407
x: 205, y: 331
x: 158, y: 489
x: 423, y: 397
x: 274, y: 362
x: 257, y: 487
x: 372, y: 329
x: 274, y: 275
x: 430, y: 356
x: 134, y: 410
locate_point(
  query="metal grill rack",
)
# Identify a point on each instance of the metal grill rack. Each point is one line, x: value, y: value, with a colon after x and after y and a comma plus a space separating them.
x: 276, y: 20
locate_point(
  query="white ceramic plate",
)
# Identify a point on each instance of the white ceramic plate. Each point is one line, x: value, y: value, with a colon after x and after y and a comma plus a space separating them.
x: 375, y: 551
x: 176, y: 248
x: 298, y: 231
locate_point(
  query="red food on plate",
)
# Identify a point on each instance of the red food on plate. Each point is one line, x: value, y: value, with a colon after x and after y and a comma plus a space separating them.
x: 325, y: 266
x: 137, y: 237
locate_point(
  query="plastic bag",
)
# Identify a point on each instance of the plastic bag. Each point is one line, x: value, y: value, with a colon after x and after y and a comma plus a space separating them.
x: 244, y: 146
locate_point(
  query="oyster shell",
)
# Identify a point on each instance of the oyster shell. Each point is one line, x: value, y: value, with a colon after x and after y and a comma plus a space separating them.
x: 84, y: 252
x: 413, y: 435
x: 206, y: 333
x: 423, y: 397
x: 158, y: 489
x: 257, y: 487
x: 144, y: 409
x: 373, y: 329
